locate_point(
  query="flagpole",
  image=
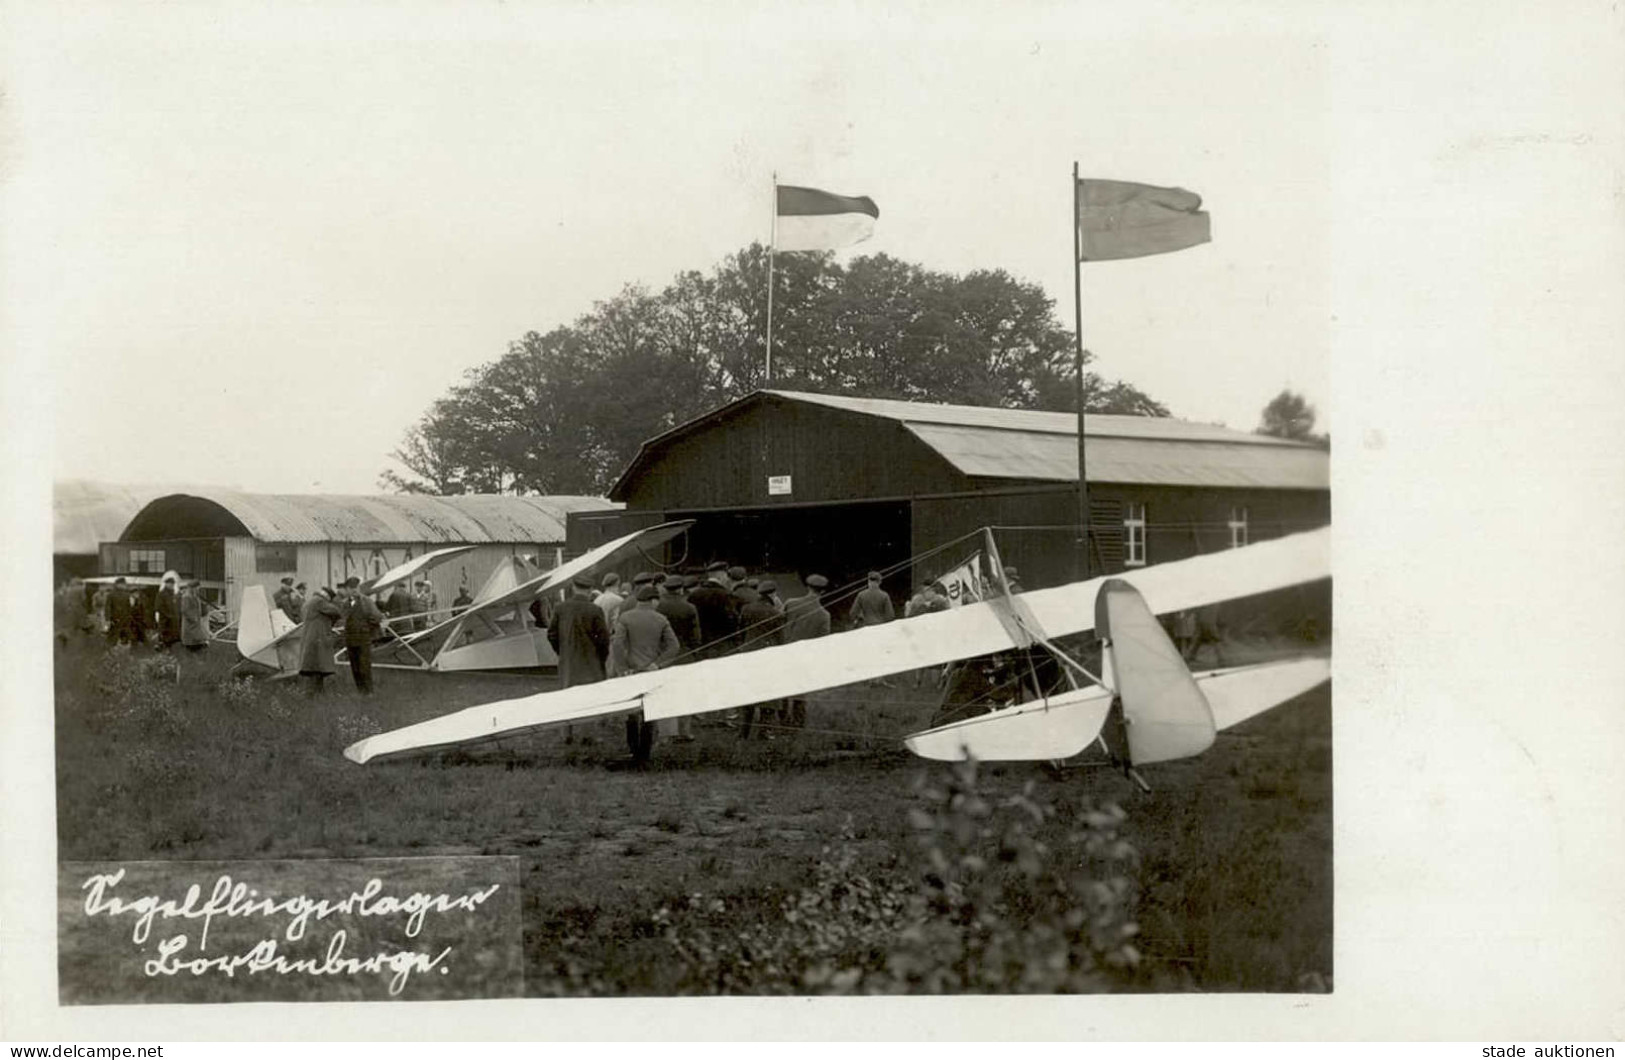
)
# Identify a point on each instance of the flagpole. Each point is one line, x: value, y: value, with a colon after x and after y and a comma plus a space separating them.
x: 1077, y: 357
x: 772, y: 241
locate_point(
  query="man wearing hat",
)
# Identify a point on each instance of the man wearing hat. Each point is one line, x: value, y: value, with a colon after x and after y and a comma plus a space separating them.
x: 283, y: 599
x: 119, y: 611
x: 643, y: 640
x: 140, y: 615
x: 684, y: 619
x: 316, y: 640
x: 194, y: 615
x: 80, y: 621
x: 398, y: 605
x: 761, y: 625
x: 362, y: 622
x: 579, y: 636
x: 610, y: 601
x: 805, y: 618
x: 424, y: 603
x: 873, y: 606
x: 719, y: 615
x: 743, y: 592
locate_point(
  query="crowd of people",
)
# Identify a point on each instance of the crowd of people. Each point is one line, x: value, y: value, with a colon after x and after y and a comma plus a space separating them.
x: 327, y: 611
x: 128, y: 616
x: 664, y: 619
x: 598, y: 631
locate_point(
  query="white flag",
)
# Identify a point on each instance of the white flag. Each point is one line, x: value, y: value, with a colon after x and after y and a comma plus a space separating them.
x: 964, y: 582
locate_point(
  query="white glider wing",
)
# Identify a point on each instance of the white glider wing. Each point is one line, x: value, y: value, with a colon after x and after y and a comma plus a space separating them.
x: 469, y: 642
x: 1040, y: 731
x: 412, y: 567
x: 867, y: 653
x: 605, y: 555
x: 1066, y: 724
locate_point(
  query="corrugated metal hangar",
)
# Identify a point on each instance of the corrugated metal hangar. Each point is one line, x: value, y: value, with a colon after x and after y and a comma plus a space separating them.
x: 231, y: 540
x: 84, y: 514
x: 786, y: 481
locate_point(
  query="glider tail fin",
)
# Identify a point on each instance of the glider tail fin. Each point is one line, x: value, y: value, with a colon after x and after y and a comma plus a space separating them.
x: 1167, y: 715
x: 254, y: 630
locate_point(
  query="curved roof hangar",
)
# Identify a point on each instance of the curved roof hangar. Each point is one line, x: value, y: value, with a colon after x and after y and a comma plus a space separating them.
x: 298, y: 518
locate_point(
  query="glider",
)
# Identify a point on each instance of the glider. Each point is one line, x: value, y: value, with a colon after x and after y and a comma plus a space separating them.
x: 496, y: 631
x: 1164, y: 711
x: 265, y: 635
x: 975, y: 629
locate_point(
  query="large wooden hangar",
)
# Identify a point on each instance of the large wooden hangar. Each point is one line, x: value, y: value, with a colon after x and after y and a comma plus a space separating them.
x: 793, y: 482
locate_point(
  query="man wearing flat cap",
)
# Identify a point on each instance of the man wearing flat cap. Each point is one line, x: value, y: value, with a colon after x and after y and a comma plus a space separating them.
x: 643, y: 640
x: 684, y: 619
x: 873, y: 606
x: 804, y: 618
x: 719, y: 615
x: 610, y: 600
x: 283, y: 599
x: 761, y: 625
x: 741, y: 588
x: 579, y: 636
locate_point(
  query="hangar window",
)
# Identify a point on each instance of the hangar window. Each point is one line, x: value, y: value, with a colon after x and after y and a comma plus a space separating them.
x: 1238, y: 525
x: 274, y: 559
x: 1133, y: 535
x: 146, y: 561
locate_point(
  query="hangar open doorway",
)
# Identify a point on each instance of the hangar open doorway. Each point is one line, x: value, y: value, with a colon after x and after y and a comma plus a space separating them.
x: 842, y: 542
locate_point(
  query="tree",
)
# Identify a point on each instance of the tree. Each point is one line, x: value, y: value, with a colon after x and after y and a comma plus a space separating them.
x: 564, y: 412
x: 1288, y: 415
x: 424, y: 453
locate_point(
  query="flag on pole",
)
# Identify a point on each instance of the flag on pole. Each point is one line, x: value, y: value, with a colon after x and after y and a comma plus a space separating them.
x: 1117, y: 219
x: 809, y: 219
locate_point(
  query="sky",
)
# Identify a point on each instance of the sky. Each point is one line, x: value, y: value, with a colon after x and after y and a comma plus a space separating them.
x: 303, y: 225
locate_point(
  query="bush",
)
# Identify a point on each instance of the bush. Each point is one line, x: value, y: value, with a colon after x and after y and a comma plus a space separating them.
x: 1008, y: 911
x: 991, y: 907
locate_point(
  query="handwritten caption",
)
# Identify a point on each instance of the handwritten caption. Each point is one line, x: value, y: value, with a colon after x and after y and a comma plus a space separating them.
x: 289, y: 930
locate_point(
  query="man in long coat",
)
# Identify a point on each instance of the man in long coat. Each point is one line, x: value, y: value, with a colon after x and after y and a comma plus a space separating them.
x: 805, y: 617
x: 120, y: 612
x: 685, y: 622
x: 719, y: 614
x: 362, y: 623
x: 194, y: 617
x: 140, y: 616
x: 316, y: 639
x: 169, y: 613
x: 580, y: 637
x: 761, y: 625
x: 398, y: 605
x: 80, y: 622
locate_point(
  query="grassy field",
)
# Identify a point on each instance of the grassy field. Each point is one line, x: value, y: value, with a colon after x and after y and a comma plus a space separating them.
x: 827, y: 860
